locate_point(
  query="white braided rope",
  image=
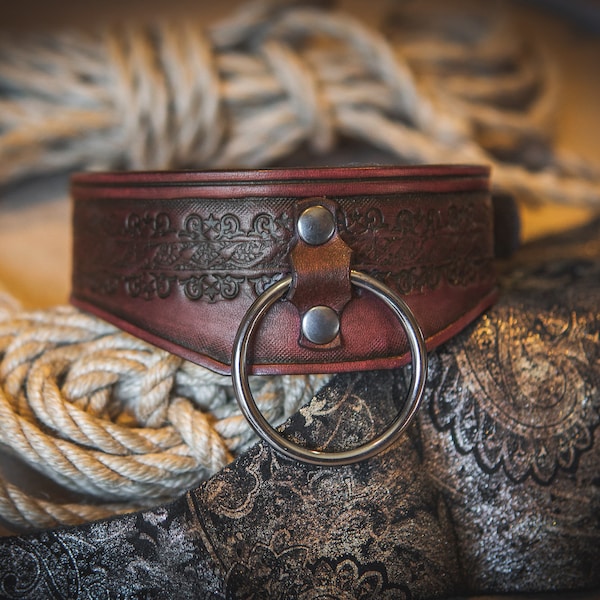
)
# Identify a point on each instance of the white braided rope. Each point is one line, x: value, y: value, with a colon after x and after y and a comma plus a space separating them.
x: 112, y: 418
x: 279, y: 76
x: 120, y: 423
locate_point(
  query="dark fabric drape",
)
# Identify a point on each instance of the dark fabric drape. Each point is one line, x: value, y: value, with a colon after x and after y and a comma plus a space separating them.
x: 496, y: 487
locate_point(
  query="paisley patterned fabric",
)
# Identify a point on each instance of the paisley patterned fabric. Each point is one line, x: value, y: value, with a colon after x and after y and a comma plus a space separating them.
x: 495, y: 489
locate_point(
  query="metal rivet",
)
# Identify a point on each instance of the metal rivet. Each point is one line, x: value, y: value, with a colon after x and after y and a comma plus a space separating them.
x: 320, y: 324
x: 316, y: 225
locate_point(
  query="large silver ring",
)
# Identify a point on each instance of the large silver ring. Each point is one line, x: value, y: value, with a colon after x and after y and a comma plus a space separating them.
x: 290, y: 449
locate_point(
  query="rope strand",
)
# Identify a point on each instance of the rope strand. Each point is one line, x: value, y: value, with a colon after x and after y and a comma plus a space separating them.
x: 112, y: 418
x: 280, y: 75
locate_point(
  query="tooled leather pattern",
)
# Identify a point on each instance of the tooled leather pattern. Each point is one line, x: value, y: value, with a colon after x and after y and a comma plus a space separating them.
x: 209, y: 256
x: 212, y: 254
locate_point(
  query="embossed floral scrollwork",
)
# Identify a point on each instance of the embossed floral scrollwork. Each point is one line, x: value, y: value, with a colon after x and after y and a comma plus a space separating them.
x: 518, y: 397
x: 192, y: 227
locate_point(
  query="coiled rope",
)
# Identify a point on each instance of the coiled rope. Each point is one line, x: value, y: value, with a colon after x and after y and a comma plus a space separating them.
x: 118, y: 422
x: 280, y: 75
x: 112, y: 418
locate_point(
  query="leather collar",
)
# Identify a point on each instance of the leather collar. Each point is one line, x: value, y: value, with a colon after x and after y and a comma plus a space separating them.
x: 177, y: 258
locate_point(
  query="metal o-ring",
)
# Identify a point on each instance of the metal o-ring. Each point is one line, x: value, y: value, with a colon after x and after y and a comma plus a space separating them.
x: 317, y: 457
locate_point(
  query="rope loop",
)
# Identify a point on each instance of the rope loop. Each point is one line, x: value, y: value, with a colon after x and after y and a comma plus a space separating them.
x: 112, y: 419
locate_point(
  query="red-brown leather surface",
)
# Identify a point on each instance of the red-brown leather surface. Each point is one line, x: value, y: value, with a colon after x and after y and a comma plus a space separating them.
x: 321, y: 273
x: 178, y: 258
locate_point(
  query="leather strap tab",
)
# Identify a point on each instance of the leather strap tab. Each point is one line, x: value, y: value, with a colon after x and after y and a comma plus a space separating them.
x: 177, y: 258
x: 320, y: 271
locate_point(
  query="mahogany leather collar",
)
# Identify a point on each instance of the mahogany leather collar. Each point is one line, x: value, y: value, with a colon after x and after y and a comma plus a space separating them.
x: 177, y: 258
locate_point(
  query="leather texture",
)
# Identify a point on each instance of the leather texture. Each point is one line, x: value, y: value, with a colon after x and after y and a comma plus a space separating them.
x: 321, y: 273
x: 177, y: 258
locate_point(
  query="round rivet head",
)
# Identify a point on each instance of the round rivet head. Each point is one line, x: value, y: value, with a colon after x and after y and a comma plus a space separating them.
x: 316, y: 225
x: 320, y: 324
